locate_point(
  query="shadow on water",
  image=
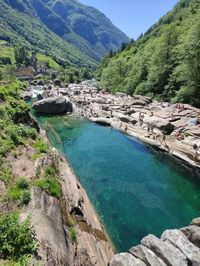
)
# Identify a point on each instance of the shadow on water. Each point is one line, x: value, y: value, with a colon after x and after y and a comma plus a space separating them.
x: 135, y: 189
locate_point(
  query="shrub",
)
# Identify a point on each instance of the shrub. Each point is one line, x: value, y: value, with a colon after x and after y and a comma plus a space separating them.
x: 19, y: 192
x: 16, y: 239
x: 50, y: 185
x: 22, y: 183
x: 14, y: 193
x: 40, y: 146
x: 25, y: 197
x: 50, y: 171
x: 73, y: 235
x: 6, y: 174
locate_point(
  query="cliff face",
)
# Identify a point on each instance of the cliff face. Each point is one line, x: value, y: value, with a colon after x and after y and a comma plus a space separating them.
x: 67, y: 229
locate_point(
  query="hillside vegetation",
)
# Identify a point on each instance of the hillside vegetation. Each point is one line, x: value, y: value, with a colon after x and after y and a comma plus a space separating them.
x: 18, y: 27
x: 66, y: 30
x: 164, y: 63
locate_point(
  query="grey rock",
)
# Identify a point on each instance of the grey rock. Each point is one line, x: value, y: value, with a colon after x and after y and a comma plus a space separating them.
x: 124, y: 118
x: 192, y: 232
x: 165, y: 251
x: 102, y: 121
x: 77, y: 92
x: 40, y: 82
x: 196, y: 221
x: 130, y: 112
x: 53, y: 105
x: 180, y: 241
x: 45, y: 210
x: 140, y: 100
x: 39, y: 97
x: 147, y: 256
x: 126, y: 259
x: 27, y: 95
x: 163, y: 124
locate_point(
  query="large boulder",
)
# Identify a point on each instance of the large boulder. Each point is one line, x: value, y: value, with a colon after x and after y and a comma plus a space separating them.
x: 171, y: 255
x: 101, y: 121
x: 126, y: 259
x: 180, y: 241
x: 147, y: 256
x: 27, y: 95
x: 192, y: 233
x: 53, y: 105
x: 124, y: 118
x: 163, y: 124
x: 141, y: 100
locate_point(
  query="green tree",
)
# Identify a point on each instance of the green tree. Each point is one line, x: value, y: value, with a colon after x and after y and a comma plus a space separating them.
x: 21, y: 56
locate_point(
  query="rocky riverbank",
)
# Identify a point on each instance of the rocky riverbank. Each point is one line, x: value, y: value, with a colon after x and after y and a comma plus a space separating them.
x: 174, y: 248
x: 52, y: 218
x: 148, y: 121
x: 169, y: 127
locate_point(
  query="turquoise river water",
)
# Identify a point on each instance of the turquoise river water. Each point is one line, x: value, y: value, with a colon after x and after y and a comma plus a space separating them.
x: 134, y: 189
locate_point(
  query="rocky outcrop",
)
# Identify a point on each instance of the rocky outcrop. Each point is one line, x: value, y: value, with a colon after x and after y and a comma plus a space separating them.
x: 102, y: 121
x: 92, y: 243
x: 163, y: 124
x: 125, y: 259
x: 46, y: 219
x: 174, y: 248
x: 53, y: 105
x: 27, y: 95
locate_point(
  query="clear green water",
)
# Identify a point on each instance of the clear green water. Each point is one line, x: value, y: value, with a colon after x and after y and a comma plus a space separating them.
x: 134, y: 189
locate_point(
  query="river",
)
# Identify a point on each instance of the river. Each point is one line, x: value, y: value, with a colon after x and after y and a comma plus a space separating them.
x: 135, y: 190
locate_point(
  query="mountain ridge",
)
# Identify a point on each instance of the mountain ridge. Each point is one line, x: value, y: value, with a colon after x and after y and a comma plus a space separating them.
x: 73, y: 28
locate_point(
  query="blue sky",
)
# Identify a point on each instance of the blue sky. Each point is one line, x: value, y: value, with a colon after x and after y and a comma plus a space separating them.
x: 133, y: 16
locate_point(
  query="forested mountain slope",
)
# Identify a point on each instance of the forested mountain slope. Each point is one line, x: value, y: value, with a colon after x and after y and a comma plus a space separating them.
x: 164, y: 63
x: 21, y: 28
x: 65, y: 29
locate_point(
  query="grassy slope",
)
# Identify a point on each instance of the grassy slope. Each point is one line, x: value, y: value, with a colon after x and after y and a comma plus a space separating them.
x: 7, y: 51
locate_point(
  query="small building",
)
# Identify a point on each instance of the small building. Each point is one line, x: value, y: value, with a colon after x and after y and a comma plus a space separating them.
x: 25, y: 73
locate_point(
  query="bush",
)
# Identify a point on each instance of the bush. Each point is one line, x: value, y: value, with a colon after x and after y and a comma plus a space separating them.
x: 6, y: 174
x: 50, y: 185
x: 13, y: 193
x: 16, y: 239
x: 40, y: 146
x: 73, y: 235
x: 25, y: 197
x: 50, y: 171
x: 22, y: 183
x: 19, y: 192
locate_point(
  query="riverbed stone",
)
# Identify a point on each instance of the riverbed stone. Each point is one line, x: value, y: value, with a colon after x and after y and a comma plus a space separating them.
x: 102, y: 121
x: 196, y: 221
x: 126, y: 259
x: 147, y: 256
x: 27, y: 95
x: 192, y: 232
x: 162, y: 124
x: 53, y: 105
x: 180, y: 241
x: 171, y: 255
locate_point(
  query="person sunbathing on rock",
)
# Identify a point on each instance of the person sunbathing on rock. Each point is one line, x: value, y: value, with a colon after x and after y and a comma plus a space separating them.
x: 197, y: 152
x: 179, y: 136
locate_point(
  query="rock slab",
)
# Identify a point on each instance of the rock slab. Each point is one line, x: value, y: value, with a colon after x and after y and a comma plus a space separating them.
x: 53, y: 105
